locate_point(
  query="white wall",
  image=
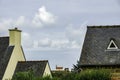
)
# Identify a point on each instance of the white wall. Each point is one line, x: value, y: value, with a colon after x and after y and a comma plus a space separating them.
x: 16, y: 56
x: 47, y: 71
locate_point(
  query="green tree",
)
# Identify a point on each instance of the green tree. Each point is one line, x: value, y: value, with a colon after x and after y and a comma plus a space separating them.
x: 89, y: 74
x: 94, y: 74
x: 24, y: 76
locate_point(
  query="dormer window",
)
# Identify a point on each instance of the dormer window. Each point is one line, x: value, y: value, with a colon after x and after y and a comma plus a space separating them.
x: 112, y: 45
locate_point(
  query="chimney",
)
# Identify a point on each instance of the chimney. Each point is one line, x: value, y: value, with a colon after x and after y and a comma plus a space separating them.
x: 15, y: 37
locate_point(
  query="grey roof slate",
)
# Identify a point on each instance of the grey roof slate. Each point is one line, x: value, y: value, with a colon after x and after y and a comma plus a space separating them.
x: 97, y: 39
x: 37, y: 67
x: 5, y: 53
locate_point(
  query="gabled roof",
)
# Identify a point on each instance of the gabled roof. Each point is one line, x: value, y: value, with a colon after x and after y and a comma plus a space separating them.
x: 95, y: 52
x: 38, y: 67
x: 5, y: 53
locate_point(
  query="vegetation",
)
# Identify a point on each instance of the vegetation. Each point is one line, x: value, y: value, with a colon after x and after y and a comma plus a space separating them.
x: 89, y: 74
x: 96, y: 74
x: 76, y: 67
x: 24, y: 76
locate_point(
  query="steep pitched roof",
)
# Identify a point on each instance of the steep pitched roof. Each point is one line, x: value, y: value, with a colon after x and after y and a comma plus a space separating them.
x: 95, y: 52
x: 5, y: 53
x: 38, y: 67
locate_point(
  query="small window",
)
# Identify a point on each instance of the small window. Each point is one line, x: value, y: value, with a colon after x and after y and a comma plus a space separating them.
x: 112, y: 45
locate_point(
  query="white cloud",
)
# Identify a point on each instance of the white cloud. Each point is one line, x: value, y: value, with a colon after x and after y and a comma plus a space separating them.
x: 27, y: 41
x: 43, y: 17
x: 50, y: 43
x: 60, y: 43
x: 72, y: 33
x: 40, y: 19
x: 73, y: 39
x: 44, y: 42
x: 56, y: 44
x: 20, y: 21
x: 6, y: 24
x: 37, y: 23
x: 76, y: 35
x: 64, y: 44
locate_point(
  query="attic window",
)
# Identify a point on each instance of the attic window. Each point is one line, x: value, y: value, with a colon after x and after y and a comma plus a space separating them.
x: 112, y: 45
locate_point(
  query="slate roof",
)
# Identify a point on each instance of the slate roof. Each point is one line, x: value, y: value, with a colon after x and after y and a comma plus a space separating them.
x: 97, y: 39
x: 5, y: 53
x: 37, y: 67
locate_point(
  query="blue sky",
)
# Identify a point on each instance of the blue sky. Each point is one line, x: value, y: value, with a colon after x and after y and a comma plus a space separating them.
x: 55, y: 30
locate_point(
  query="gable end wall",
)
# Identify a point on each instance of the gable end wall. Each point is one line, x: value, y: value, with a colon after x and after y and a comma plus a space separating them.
x: 17, y: 55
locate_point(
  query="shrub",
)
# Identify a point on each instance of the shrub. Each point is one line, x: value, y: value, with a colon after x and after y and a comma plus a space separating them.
x: 69, y: 76
x: 89, y: 74
x: 97, y: 74
x: 24, y: 76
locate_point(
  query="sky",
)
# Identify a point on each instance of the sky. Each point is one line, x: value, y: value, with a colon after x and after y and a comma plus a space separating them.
x: 54, y: 30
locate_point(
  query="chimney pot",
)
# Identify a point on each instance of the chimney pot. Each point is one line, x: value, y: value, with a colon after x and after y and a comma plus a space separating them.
x: 16, y: 28
x: 15, y: 36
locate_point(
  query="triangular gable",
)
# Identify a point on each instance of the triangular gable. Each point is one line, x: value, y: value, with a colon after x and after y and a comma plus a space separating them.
x: 37, y: 66
x: 112, y: 45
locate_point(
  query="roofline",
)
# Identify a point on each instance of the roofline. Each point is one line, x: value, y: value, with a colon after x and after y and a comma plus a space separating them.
x: 23, y: 53
x: 34, y: 61
x: 4, y: 36
x: 99, y: 66
x: 49, y: 67
x: 104, y: 26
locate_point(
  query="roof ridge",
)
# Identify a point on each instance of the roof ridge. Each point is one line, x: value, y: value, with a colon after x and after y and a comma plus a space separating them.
x: 104, y: 26
x: 35, y: 61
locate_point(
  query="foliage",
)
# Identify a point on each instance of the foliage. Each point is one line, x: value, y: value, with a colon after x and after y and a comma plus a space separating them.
x: 94, y: 74
x: 89, y: 74
x: 59, y: 74
x: 24, y: 76
x: 69, y: 76
x: 76, y: 68
x: 45, y: 78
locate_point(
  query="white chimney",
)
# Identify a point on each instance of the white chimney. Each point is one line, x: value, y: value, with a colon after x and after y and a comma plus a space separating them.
x: 15, y: 37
